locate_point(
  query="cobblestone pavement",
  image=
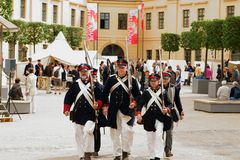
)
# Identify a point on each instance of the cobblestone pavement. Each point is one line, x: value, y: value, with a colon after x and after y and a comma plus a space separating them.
x: 48, y: 135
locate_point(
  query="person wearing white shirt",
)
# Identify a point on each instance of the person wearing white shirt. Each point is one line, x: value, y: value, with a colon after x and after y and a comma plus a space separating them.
x: 31, y: 89
x: 57, y: 76
x: 223, y: 92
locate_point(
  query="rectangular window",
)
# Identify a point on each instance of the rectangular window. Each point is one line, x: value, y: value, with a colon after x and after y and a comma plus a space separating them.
x: 82, y: 19
x: 148, y: 21
x: 201, y: 12
x: 22, y: 8
x: 55, y: 13
x: 161, y: 20
x: 157, y: 54
x: 186, y: 18
x: 104, y: 20
x: 73, y: 16
x: 198, y: 55
x: 149, y: 54
x: 122, y: 21
x: 230, y: 11
x: 44, y: 12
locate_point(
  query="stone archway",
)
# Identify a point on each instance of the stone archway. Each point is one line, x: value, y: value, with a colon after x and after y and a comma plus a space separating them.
x: 113, y: 50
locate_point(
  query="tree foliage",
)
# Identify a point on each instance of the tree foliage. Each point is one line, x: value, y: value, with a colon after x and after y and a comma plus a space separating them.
x: 191, y: 40
x: 53, y: 31
x: 170, y: 42
x: 215, y: 33
x: 6, y: 8
x: 36, y: 32
x: 14, y: 37
x: 74, y: 36
x: 231, y: 33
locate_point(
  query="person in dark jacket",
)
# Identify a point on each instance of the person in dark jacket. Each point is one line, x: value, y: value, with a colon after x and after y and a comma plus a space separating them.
x: 83, y: 113
x: 29, y: 65
x: 155, y: 119
x: 48, y: 73
x: 120, y: 110
x: 172, y: 93
x: 15, y: 92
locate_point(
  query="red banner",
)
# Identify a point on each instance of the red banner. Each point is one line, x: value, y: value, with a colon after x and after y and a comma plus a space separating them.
x: 92, y: 21
x: 132, y: 27
x: 141, y: 15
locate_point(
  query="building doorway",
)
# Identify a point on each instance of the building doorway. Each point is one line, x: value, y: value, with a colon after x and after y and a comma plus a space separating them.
x: 113, y: 50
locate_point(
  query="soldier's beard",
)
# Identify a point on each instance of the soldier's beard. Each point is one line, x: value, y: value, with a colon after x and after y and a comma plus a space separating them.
x: 84, y: 77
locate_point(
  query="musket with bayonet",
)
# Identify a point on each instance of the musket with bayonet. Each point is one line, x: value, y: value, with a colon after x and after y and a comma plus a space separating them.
x: 129, y: 73
x: 88, y: 61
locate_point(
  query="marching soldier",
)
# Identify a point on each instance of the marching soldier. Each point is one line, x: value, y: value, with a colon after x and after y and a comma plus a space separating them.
x: 102, y: 121
x: 172, y: 94
x: 155, y: 120
x: 120, y: 110
x: 83, y: 112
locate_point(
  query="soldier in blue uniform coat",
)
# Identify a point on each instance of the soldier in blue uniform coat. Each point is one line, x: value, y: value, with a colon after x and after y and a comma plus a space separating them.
x: 155, y: 119
x: 83, y: 113
x: 120, y: 111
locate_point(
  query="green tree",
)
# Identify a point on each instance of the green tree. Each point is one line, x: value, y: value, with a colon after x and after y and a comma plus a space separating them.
x: 36, y: 32
x: 191, y: 40
x: 54, y: 29
x: 231, y: 33
x: 74, y: 36
x: 215, y: 34
x: 6, y: 8
x: 170, y: 42
x: 201, y: 28
x: 13, y: 37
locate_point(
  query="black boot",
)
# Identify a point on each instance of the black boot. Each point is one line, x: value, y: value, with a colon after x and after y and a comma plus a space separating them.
x: 156, y: 158
x: 87, y: 156
x: 117, y: 158
x: 168, y: 153
x: 125, y: 155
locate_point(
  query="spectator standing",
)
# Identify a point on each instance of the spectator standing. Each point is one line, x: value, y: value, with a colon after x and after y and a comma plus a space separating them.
x: 208, y: 73
x: 198, y: 71
x: 31, y: 89
x: 219, y: 73
x: 38, y: 71
x: 173, y: 75
x: 64, y: 76
x: 235, y: 74
x: 57, y: 76
x: 48, y: 73
x: 29, y: 65
x: 227, y: 74
x: 75, y: 74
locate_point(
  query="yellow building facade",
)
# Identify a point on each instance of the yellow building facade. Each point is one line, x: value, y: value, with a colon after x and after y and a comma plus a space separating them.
x: 161, y: 16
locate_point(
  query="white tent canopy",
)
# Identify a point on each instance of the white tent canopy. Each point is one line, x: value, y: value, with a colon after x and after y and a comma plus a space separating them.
x: 60, y: 50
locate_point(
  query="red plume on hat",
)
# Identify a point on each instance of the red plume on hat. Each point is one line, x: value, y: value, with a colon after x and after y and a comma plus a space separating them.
x: 166, y: 74
x: 154, y: 76
x: 84, y: 66
x: 94, y: 71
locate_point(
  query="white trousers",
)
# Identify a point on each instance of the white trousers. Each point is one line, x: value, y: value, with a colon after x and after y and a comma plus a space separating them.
x: 126, y: 133
x: 84, y: 138
x: 155, y: 141
x: 32, y: 103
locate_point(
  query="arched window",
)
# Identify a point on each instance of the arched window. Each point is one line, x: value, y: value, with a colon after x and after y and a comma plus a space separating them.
x: 112, y: 50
